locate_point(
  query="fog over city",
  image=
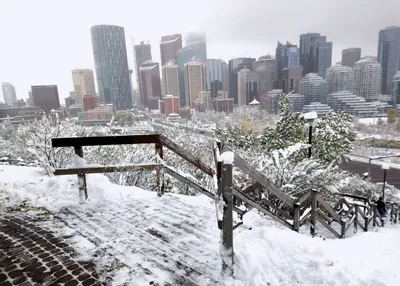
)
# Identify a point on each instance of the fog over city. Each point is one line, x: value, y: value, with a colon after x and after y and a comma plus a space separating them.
x: 43, y: 40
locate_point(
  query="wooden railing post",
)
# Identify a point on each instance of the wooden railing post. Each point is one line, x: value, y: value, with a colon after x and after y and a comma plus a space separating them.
x: 366, y: 222
x: 227, y: 229
x: 219, y: 180
x: 296, y: 217
x: 356, y: 218
x: 313, y: 219
x: 81, y: 178
x: 343, y: 228
x: 159, y: 173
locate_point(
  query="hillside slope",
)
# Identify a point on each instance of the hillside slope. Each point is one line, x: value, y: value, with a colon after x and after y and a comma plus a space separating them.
x: 134, y: 237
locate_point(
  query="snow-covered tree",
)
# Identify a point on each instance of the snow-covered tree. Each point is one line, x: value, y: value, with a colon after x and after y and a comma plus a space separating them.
x: 36, y: 138
x: 332, y: 137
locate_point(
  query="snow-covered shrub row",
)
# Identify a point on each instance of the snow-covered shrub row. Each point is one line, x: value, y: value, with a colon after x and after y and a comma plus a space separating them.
x: 255, y: 119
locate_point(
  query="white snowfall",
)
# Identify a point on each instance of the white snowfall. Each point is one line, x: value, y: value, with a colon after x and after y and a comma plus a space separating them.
x: 116, y: 219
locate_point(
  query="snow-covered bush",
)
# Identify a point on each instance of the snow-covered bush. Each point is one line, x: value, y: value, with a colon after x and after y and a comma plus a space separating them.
x: 35, y: 139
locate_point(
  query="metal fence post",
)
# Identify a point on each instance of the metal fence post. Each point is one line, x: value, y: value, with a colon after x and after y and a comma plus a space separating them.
x: 313, y: 219
x: 159, y: 172
x: 392, y: 212
x: 296, y: 217
x: 227, y: 223
x: 81, y: 178
x: 375, y: 215
x: 356, y: 218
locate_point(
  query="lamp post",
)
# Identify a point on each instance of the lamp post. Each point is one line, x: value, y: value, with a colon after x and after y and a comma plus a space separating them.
x: 385, y: 168
x: 310, y: 117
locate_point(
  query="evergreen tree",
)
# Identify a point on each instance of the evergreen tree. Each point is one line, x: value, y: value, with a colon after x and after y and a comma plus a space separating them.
x: 332, y: 137
x: 289, y: 129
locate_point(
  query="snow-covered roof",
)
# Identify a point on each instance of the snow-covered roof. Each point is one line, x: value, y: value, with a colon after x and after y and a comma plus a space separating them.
x: 170, y: 41
x: 148, y: 67
x: 310, y: 115
x: 254, y: 102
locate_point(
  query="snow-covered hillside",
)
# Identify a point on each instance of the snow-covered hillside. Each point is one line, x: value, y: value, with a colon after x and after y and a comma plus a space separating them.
x: 141, y: 238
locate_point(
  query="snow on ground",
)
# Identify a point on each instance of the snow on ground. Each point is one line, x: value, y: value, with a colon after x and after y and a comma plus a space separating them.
x: 371, y: 121
x: 175, y: 238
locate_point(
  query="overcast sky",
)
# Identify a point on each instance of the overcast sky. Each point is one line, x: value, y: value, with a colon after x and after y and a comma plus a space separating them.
x: 43, y: 40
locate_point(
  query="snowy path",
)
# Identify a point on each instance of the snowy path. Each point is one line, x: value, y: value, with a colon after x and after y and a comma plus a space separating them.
x: 151, y: 240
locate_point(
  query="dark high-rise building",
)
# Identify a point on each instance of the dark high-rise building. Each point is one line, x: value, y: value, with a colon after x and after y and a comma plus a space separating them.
x: 142, y: 54
x: 225, y: 76
x: 291, y: 79
x: 169, y: 47
x: 214, y: 76
x: 315, y: 53
x: 389, y: 56
x: 111, y: 62
x: 350, y: 56
x: 151, y: 84
x: 235, y: 65
x: 252, y: 87
x: 46, y: 97
x: 286, y: 56
x: 396, y: 89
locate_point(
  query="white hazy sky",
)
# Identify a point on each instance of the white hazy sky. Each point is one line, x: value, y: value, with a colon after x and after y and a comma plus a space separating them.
x: 43, y: 40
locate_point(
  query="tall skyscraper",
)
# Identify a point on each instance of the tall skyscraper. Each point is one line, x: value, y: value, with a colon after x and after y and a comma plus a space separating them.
x: 286, y: 56
x: 46, y: 97
x: 9, y: 94
x: 242, y: 80
x: 367, y: 78
x: 142, y: 54
x: 315, y: 53
x: 83, y: 81
x: 169, y: 47
x: 195, y: 50
x: 350, y: 56
x: 170, y: 74
x: 396, y: 89
x: 214, y: 76
x: 195, y: 81
x: 111, y: 62
x: 198, y: 42
x: 235, y: 65
x: 389, y: 56
x: 340, y: 78
x: 151, y: 84
x: 225, y: 76
x: 314, y: 88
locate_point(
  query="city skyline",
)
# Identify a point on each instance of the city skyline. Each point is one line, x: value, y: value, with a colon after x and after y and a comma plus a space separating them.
x: 42, y: 64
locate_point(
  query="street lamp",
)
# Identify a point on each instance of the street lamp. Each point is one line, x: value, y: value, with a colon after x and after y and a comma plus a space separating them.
x: 310, y: 117
x: 385, y: 167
